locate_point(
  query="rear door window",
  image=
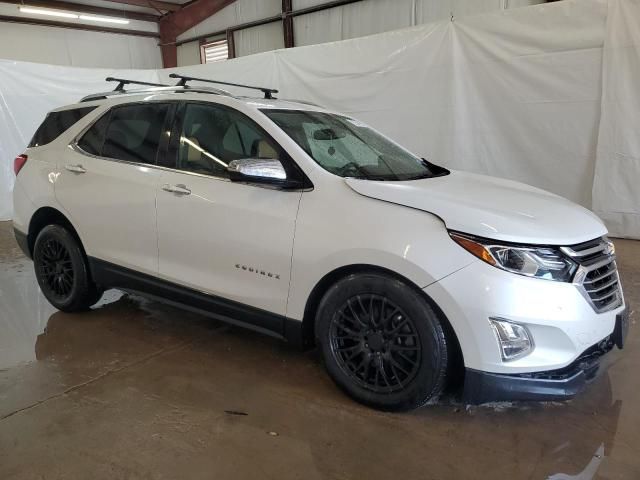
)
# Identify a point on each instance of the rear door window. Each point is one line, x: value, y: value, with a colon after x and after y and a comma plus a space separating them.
x: 56, y: 123
x: 134, y: 131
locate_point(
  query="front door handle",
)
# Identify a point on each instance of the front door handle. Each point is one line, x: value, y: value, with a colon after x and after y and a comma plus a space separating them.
x: 76, y: 168
x: 180, y: 189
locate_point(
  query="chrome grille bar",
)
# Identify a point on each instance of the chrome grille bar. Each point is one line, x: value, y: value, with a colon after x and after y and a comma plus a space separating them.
x: 600, y: 277
x: 597, y: 275
x: 607, y: 285
x: 604, y: 297
x: 584, y: 253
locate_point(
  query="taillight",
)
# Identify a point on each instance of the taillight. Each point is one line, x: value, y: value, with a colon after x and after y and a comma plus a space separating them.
x: 19, y: 162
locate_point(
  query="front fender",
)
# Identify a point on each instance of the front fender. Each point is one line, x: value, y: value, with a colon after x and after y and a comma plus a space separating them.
x: 346, y: 229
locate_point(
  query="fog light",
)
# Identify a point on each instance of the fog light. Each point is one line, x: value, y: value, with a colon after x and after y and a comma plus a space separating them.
x: 514, y: 339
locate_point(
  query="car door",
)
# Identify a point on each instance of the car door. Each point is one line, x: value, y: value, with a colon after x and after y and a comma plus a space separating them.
x: 232, y: 240
x: 107, y: 185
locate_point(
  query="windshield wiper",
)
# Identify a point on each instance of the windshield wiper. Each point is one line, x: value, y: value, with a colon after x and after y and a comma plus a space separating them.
x: 436, y: 170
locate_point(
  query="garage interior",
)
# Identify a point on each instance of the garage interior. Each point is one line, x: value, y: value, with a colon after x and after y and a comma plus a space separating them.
x: 544, y: 93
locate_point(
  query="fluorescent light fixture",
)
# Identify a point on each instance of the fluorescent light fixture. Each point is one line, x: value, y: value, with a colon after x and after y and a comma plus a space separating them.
x: 52, y: 13
x: 57, y: 13
x: 91, y: 18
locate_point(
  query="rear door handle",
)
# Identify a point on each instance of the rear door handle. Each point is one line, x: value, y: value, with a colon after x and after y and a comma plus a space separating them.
x: 180, y: 189
x: 76, y: 168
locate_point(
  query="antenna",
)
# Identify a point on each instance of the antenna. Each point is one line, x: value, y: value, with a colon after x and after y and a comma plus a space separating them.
x: 124, y: 81
x: 268, y: 92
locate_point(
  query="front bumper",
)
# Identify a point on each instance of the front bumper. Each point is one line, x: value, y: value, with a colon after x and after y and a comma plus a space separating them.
x: 569, y: 336
x: 560, y: 320
x: 562, y: 384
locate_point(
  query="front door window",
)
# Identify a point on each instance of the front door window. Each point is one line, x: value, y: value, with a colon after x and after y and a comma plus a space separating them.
x: 213, y: 135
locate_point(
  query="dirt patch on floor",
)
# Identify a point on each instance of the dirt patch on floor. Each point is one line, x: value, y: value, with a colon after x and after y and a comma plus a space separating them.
x: 9, y: 249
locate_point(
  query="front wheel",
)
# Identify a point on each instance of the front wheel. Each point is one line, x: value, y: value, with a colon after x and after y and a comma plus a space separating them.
x: 62, y: 271
x: 381, y: 342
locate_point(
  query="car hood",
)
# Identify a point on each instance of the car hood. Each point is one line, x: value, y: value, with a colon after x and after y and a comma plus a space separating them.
x: 491, y: 207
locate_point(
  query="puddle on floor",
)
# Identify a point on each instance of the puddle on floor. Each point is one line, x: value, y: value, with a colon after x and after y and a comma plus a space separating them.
x: 25, y: 312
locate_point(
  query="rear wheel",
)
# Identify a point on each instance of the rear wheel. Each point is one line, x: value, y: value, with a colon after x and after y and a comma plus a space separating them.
x: 62, y: 271
x: 381, y: 342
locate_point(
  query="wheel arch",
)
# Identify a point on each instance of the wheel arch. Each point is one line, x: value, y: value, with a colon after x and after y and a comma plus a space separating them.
x: 49, y: 216
x: 320, y: 289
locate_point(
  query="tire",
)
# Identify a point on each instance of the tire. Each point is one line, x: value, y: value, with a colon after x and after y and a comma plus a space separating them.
x: 381, y: 342
x: 62, y: 270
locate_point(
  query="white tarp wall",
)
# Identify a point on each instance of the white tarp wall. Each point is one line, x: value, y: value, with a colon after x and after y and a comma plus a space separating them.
x: 616, y: 188
x: 515, y: 94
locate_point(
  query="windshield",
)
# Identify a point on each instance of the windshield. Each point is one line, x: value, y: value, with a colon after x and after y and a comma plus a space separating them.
x: 349, y: 148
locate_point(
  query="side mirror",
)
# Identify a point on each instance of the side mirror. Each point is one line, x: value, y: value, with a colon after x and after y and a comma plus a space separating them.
x: 257, y: 170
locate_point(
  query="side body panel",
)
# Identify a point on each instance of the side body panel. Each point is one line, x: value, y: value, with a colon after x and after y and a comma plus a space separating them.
x: 228, y: 239
x: 112, y: 206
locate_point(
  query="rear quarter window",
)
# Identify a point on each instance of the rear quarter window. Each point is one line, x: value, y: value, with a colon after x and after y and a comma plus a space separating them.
x: 56, y: 123
x: 93, y: 139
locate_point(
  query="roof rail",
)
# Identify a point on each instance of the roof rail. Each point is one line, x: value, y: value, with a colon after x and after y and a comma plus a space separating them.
x: 268, y: 92
x: 164, y: 89
x: 124, y: 81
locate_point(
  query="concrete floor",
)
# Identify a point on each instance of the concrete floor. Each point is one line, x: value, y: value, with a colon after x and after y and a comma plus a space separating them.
x: 135, y: 389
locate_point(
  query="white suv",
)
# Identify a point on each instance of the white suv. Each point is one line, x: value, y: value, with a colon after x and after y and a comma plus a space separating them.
x: 310, y: 226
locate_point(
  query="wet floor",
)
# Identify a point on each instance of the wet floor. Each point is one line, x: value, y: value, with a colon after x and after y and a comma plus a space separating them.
x: 135, y: 389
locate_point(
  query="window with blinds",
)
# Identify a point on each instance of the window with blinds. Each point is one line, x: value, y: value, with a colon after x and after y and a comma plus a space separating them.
x: 214, y: 51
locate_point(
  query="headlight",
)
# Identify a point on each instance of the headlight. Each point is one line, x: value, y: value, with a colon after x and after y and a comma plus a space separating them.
x: 532, y: 261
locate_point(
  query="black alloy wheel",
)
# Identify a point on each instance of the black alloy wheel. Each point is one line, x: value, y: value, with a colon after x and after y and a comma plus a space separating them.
x: 56, y: 269
x: 376, y: 343
x: 62, y: 270
x: 382, y: 342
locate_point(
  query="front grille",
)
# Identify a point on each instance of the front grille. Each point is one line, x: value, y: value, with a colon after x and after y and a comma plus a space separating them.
x: 597, y: 274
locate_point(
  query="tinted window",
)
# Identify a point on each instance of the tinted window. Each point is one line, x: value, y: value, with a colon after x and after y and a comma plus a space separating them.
x: 134, y: 131
x: 212, y: 136
x: 57, y: 123
x: 91, y: 142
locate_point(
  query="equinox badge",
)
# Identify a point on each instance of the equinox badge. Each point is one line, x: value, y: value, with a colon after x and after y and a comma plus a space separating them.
x: 257, y: 271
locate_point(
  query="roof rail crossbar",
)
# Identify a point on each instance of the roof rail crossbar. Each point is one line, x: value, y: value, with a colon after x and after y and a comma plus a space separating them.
x: 124, y: 81
x: 268, y: 92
